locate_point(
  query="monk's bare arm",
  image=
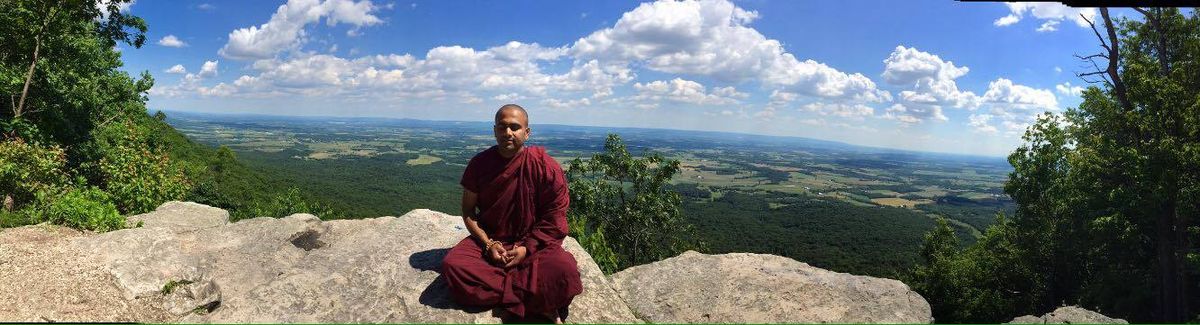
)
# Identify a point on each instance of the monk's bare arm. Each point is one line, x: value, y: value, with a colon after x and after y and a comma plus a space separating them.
x: 469, y: 201
x: 494, y: 253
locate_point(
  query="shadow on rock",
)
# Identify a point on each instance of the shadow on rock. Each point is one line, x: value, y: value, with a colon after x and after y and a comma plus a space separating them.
x: 437, y: 294
x: 430, y: 260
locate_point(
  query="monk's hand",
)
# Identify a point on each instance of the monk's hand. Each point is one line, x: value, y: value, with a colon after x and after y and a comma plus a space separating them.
x: 515, y: 256
x: 497, y: 254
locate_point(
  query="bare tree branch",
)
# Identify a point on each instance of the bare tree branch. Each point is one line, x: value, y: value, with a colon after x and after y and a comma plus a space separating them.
x: 1097, y: 71
x: 1089, y: 76
x: 1161, y: 44
x: 1097, y: 32
x: 1113, y: 57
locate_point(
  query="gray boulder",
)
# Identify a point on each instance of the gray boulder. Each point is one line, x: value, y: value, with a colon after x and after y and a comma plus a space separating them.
x: 758, y: 288
x: 300, y: 269
x: 1068, y: 315
x: 180, y: 216
x: 187, y: 263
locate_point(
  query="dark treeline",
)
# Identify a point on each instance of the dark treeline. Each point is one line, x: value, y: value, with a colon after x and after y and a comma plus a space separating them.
x: 835, y: 235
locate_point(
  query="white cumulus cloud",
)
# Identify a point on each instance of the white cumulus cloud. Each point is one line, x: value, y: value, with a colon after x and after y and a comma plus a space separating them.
x: 929, y: 78
x: 171, y: 41
x: 686, y: 91
x: 914, y: 114
x: 285, y: 29
x: 1052, y: 12
x: 208, y: 69
x: 1017, y: 106
x: 1006, y: 20
x: 712, y: 38
x: 557, y: 103
x: 856, y: 111
x: 1048, y: 26
x: 980, y: 123
x: 1004, y: 91
x: 1067, y: 89
x: 178, y: 68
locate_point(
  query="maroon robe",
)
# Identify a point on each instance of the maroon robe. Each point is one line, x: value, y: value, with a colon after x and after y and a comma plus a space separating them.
x: 522, y: 202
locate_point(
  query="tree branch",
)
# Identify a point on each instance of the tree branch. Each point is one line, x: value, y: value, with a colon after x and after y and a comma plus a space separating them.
x: 1113, y: 58
x: 1097, y: 32
x: 37, y: 46
x: 1161, y: 46
x: 1097, y: 71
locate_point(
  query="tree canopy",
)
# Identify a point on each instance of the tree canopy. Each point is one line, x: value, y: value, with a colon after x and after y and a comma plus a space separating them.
x: 622, y: 210
x: 77, y: 145
x: 1107, y: 193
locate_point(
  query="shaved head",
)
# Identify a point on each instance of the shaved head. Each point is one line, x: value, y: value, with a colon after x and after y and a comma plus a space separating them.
x: 511, y: 128
x: 524, y: 114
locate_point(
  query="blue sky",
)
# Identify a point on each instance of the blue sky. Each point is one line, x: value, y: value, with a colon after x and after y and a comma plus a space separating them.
x: 939, y: 76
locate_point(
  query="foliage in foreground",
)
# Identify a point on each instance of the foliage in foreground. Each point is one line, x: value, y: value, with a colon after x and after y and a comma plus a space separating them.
x: 622, y: 211
x: 77, y: 146
x: 1107, y: 196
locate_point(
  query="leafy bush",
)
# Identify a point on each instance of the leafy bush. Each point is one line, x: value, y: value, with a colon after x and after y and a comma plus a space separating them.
x: 287, y: 203
x: 138, y: 176
x: 88, y: 208
x: 13, y: 219
x: 28, y: 169
x: 594, y: 242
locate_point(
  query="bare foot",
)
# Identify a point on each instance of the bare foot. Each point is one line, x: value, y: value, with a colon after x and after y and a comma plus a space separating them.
x: 554, y: 315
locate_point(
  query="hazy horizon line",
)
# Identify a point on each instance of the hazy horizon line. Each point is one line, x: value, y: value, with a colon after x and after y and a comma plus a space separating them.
x: 840, y: 142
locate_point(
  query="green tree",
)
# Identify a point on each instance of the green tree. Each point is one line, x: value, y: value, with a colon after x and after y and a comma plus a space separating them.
x: 622, y: 210
x: 58, y: 68
x: 1106, y: 193
x: 936, y: 277
x: 75, y: 124
x: 986, y: 282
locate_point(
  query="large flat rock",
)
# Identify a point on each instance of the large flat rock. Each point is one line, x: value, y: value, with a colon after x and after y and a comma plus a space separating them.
x: 299, y: 269
x: 759, y: 288
x: 187, y: 263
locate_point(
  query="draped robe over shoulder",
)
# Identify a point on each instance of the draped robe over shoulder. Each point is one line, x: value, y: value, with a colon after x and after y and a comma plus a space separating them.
x: 522, y: 202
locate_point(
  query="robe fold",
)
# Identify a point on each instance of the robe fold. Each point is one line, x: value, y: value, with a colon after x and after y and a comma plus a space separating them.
x: 522, y: 201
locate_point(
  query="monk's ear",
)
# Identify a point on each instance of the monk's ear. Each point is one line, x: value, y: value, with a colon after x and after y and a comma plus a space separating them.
x: 528, y: 132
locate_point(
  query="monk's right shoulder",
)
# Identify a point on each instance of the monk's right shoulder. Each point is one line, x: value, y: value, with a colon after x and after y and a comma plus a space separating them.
x: 483, y: 156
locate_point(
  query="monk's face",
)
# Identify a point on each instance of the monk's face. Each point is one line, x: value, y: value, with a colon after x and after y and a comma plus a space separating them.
x: 512, y: 129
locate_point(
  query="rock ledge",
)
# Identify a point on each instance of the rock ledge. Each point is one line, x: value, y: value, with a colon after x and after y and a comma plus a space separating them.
x: 188, y: 263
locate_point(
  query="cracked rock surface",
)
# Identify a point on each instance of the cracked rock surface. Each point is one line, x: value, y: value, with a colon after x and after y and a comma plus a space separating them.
x: 188, y: 263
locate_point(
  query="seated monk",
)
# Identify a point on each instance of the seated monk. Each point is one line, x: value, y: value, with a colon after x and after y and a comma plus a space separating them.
x: 513, y: 258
